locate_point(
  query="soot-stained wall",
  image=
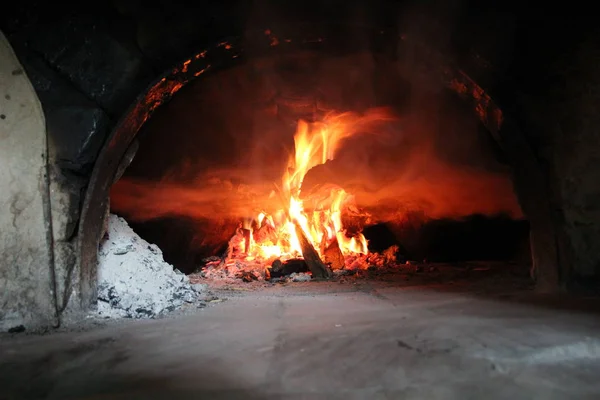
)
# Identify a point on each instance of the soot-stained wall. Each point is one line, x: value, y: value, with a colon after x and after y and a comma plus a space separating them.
x: 89, y: 67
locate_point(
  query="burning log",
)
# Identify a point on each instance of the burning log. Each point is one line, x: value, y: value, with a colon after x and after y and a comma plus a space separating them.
x: 318, y: 269
x: 333, y: 256
x: 247, y: 232
x: 264, y: 234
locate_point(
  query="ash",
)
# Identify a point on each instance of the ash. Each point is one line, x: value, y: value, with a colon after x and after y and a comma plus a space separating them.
x: 134, y: 281
x: 236, y: 268
x: 236, y: 272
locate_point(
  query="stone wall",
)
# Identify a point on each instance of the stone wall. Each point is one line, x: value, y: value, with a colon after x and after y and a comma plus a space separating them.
x: 562, y: 123
x: 577, y: 157
x: 26, y: 274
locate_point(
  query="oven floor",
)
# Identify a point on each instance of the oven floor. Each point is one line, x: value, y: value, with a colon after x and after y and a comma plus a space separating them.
x: 324, y: 341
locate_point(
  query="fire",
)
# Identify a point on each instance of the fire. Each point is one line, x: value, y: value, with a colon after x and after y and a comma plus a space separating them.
x: 319, y: 216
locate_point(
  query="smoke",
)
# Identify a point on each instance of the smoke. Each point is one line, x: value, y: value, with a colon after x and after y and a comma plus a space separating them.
x: 220, y: 147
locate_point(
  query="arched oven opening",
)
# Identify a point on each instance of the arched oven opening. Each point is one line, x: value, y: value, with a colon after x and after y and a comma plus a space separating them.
x: 313, y: 159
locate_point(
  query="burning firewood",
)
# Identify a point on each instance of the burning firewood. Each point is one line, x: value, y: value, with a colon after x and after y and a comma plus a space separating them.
x: 247, y: 232
x: 265, y: 233
x: 318, y: 269
x: 332, y: 255
x: 390, y: 254
x: 229, y: 252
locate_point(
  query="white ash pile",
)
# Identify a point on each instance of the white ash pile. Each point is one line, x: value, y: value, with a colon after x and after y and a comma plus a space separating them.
x: 134, y: 281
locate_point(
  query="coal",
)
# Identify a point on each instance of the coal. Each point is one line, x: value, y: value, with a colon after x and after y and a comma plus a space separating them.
x: 247, y: 276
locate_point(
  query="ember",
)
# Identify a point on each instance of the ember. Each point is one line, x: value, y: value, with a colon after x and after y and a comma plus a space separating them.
x: 308, y: 226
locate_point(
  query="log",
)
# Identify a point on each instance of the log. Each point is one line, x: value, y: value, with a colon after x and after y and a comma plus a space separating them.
x: 264, y: 234
x: 279, y: 269
x: 318, y: 269
x: 247, y: 232
x: 333, y: 256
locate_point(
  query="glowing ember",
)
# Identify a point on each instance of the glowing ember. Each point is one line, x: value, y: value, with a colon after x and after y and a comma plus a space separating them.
x: 274, y: 235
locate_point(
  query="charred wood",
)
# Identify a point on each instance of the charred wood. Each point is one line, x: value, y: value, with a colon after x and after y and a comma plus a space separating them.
x: 247, y: 276
x: 295, y: 265
x: 229, y: 252
x: 332, y: 255
x: 247, y: 233
x: 318, y: 269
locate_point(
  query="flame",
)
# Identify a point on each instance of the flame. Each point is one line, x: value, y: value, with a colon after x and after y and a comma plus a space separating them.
x: 321, y: 221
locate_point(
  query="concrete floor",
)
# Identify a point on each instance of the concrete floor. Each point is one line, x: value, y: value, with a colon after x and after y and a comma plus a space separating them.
x: 320, y: 343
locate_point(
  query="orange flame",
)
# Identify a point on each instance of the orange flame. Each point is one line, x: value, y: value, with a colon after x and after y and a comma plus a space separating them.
x: 315, y: 144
